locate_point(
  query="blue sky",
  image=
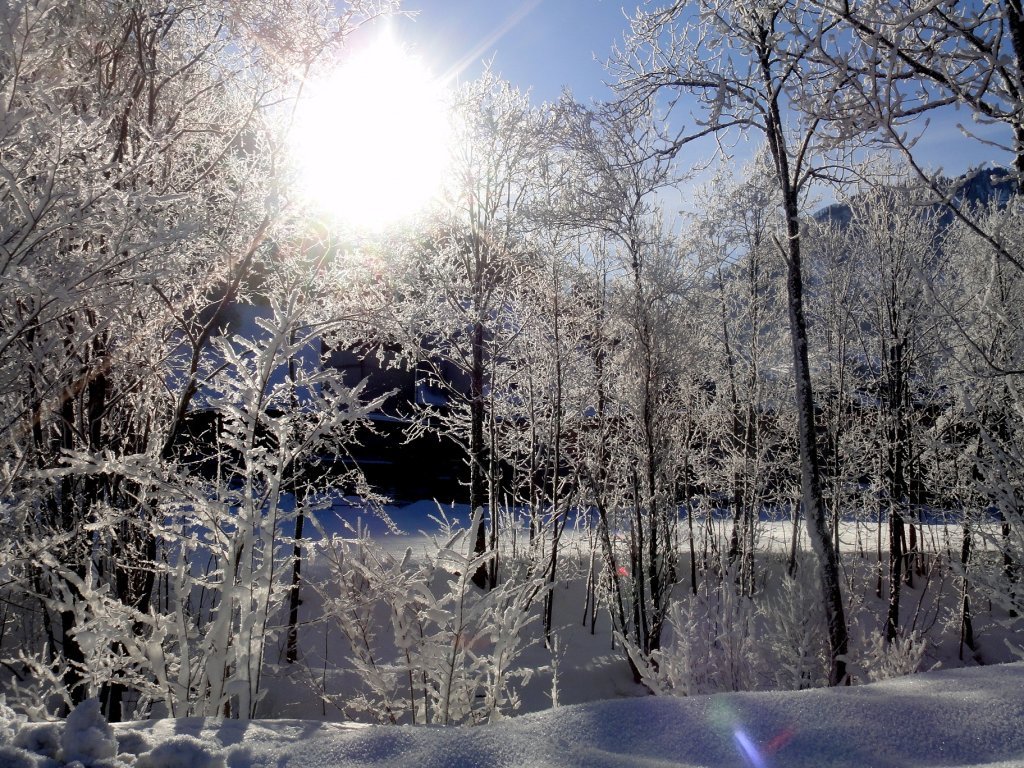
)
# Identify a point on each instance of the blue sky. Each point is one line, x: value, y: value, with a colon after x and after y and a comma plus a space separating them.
x: 545, y: 45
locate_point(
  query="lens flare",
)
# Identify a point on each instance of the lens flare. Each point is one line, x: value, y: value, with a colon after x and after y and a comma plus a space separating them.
x: 748, y: 750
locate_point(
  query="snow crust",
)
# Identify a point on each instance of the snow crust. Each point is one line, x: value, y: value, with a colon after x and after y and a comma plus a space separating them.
x: 963, y: 717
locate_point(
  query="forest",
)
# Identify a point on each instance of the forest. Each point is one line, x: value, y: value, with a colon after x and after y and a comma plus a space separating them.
x: 772, y: 438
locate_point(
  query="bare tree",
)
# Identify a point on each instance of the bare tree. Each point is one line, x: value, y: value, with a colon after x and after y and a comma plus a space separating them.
x: 890, y: 62
x: 464, y: 271
x: 740, y: 62
x: 139, y: 183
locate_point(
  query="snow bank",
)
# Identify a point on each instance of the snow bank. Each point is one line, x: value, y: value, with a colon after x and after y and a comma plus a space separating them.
x: 182, y: 751
x: 87, y: 737
x: 963, y: 717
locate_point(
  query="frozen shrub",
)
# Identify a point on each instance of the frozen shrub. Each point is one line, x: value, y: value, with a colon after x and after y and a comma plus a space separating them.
x: 882, y: 660
x: 41, y: 693
x: 793, y: 651
x: 446, y: 653
x: 711, y: 643
x: 999, y: 584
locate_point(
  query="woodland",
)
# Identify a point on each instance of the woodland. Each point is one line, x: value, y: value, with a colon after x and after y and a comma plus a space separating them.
x: 826, y: 338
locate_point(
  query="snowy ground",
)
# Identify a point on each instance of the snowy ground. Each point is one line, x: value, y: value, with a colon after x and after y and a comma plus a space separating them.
x: 415, y: 522
x: 590, y: 667
x: 963, y: 717
x: 951, y: 717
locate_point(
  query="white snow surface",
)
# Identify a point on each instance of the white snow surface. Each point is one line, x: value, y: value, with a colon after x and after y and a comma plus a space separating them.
x: 961, y: 717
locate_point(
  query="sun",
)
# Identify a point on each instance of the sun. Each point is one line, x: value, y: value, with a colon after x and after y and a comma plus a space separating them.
x: 370, y: 139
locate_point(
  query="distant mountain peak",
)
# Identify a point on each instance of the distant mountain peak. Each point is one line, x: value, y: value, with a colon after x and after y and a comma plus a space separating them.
x: 979, y: 187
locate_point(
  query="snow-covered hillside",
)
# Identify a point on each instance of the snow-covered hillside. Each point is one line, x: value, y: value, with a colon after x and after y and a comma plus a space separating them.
x: 963, y: 717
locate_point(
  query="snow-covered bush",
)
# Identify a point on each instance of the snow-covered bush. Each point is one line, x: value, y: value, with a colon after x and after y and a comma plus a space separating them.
x: 40, y: 690
x: 427, y: 645
x: 723, y: 640
x: 116, y: 640
x: 881, y: 660
x: 223, y: 538
x: 792, y: 652
x: 985, y: 587
x: 711, y: 646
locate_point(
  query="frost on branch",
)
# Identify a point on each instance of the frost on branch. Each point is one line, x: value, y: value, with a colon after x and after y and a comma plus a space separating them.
x: 427, y: 645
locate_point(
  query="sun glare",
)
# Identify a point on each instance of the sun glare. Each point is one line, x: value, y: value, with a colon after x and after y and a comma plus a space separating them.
x: 371, y: 139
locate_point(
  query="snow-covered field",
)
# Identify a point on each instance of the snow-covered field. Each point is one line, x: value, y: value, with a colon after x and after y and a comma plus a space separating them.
x: 945, y: 717
x: 963, y: 717
x: 415, y: 523
x: 588, y: 666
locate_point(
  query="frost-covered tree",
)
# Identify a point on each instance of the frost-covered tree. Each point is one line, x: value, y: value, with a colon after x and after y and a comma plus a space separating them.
x: 463, y: 272
x: 848, y: 448
x: 140, y: 181
x: 546, y: 407
x: 886, y: 63
x: 737, y: 222
x: 640, y: 294
x: 741, y: 62
x: 891, y: 62
x: 899, y: 59
x: 986, y: 293
x: 892, y: 242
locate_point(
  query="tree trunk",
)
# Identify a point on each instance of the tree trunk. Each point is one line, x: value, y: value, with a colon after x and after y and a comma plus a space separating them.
x: 481, y: 578
x: 966, y: 622
x: 558, y: 518
x: 810, y: 471
x: 70, y: 648
x: 896, y: 537
x: 291, y: 653
x: 294, y: 600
